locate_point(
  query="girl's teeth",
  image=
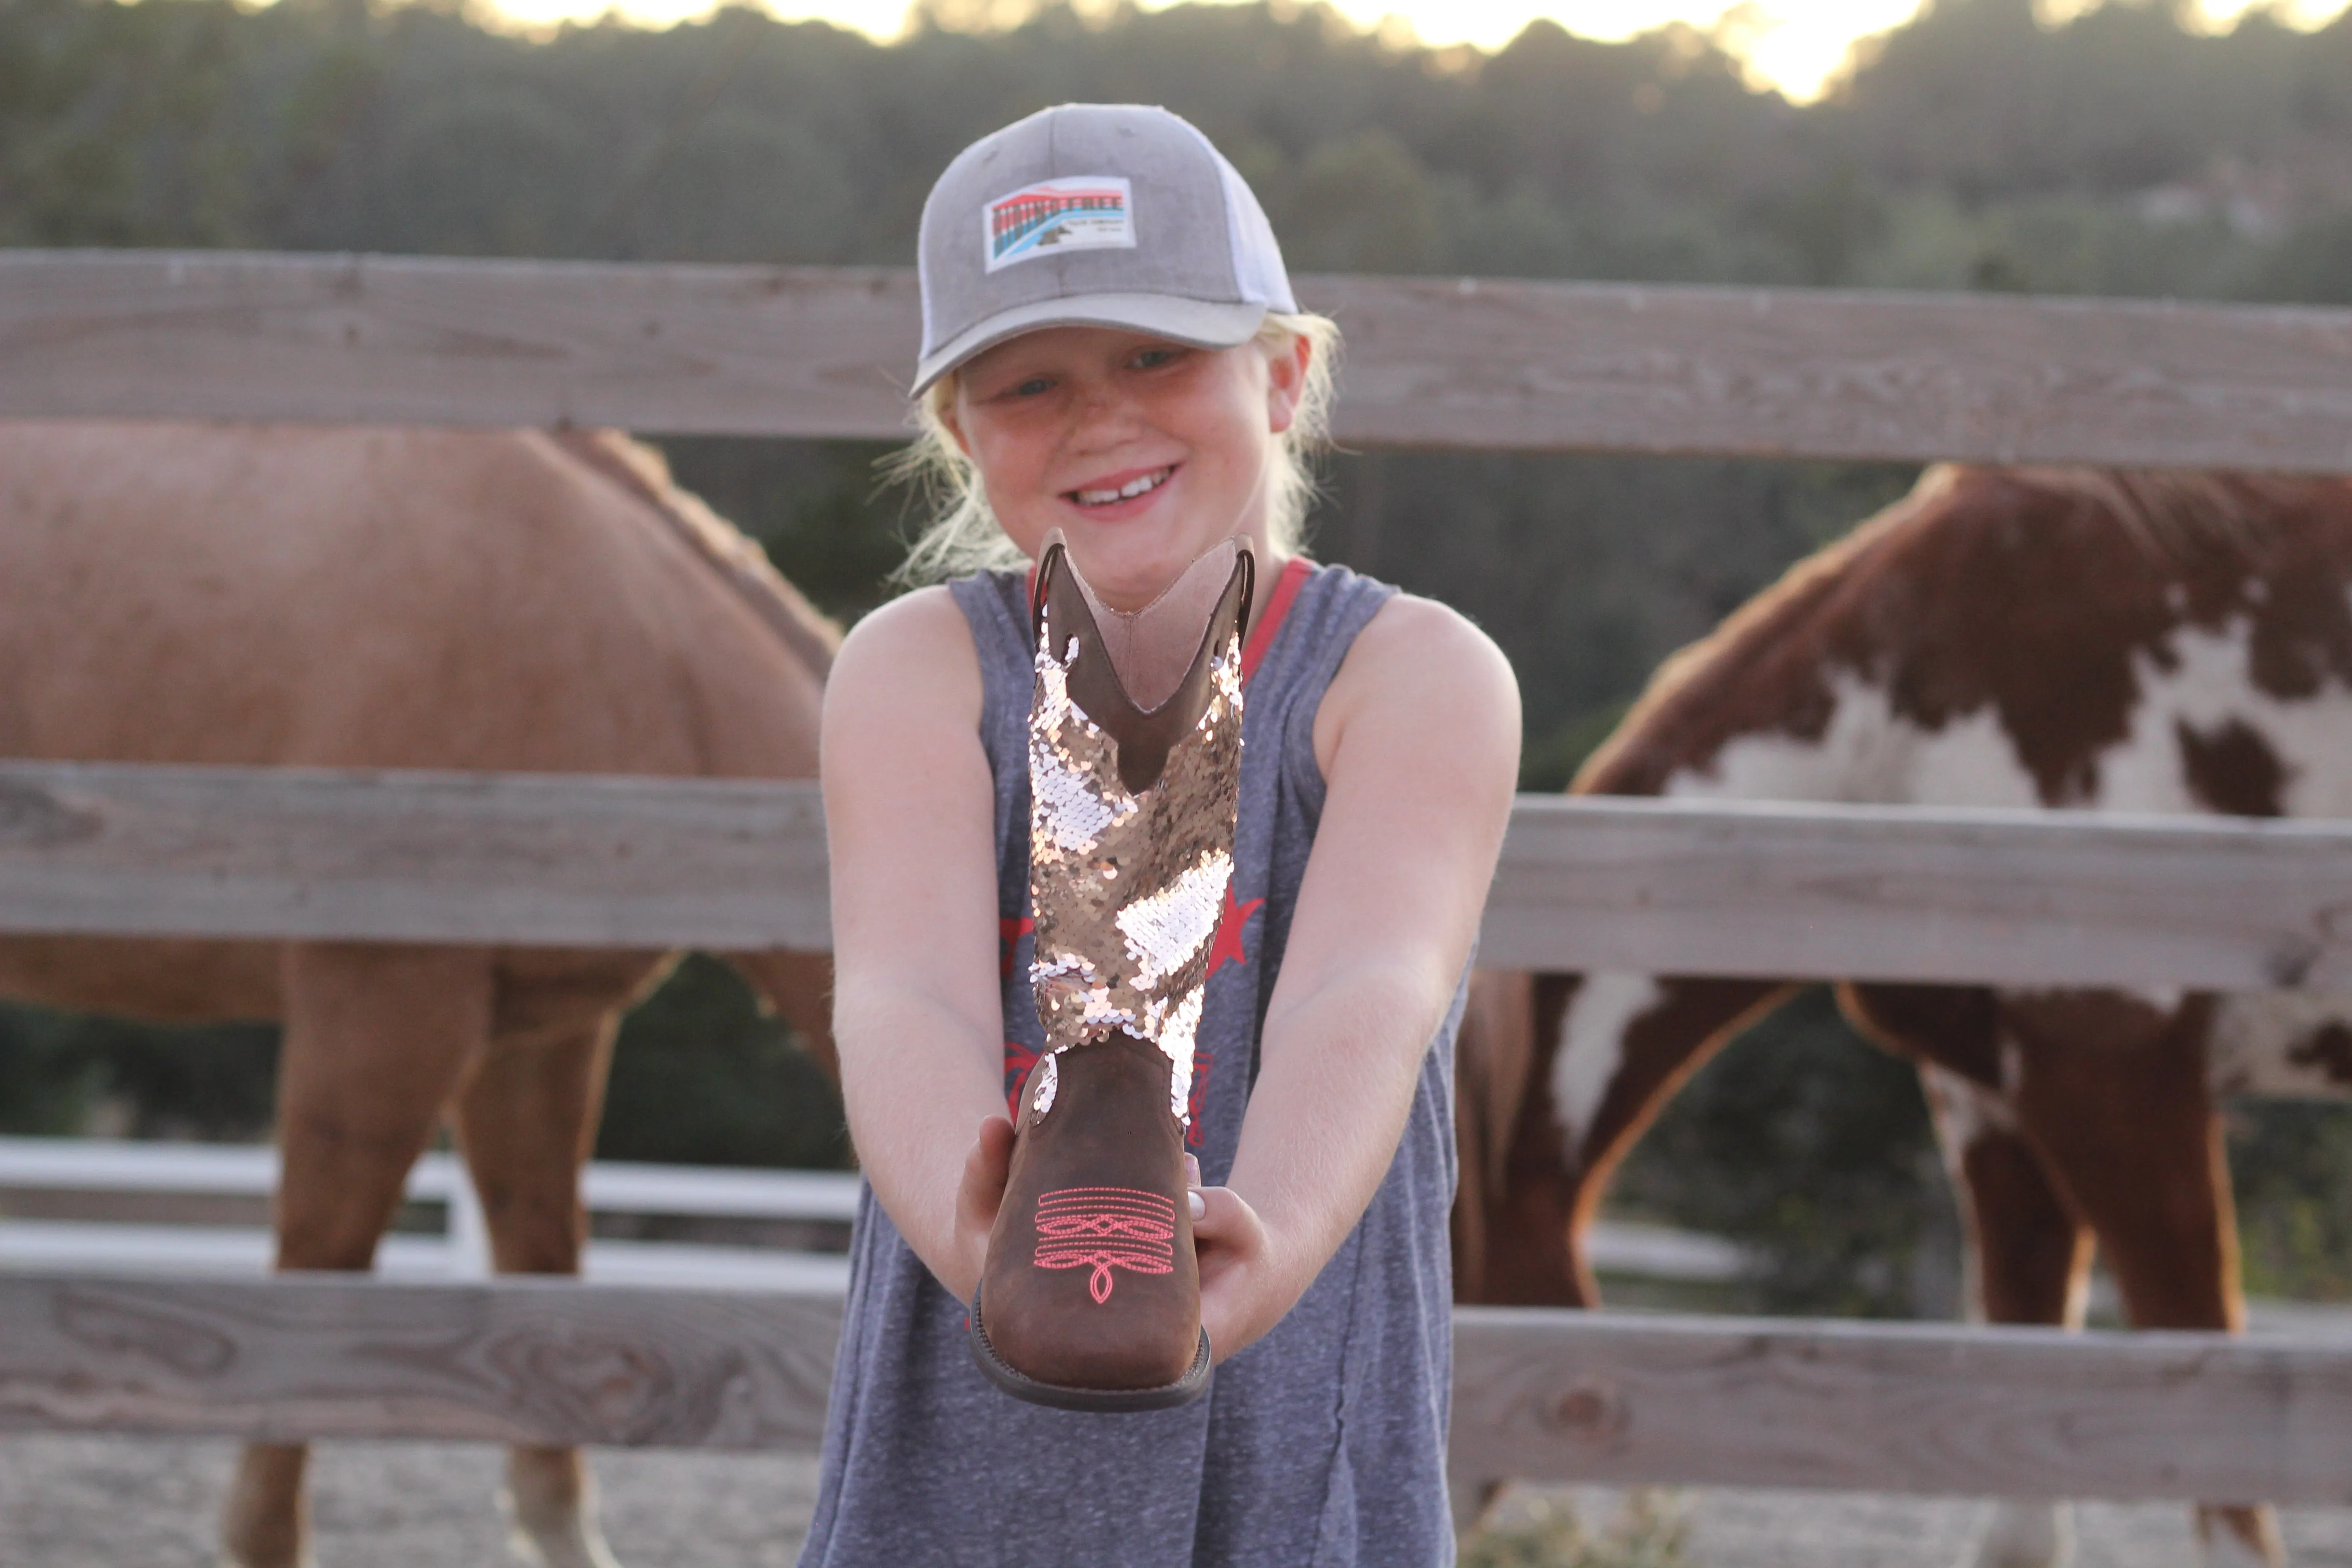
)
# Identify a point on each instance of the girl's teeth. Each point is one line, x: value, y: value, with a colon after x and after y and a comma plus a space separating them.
x: 1128, y: 491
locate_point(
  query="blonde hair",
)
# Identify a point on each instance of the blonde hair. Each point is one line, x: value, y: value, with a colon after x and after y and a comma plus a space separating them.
x: 963, y: 534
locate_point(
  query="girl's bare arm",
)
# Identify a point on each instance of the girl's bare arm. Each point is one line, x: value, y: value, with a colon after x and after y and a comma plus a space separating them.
x: 1419, y: 738
x: 909, y: 815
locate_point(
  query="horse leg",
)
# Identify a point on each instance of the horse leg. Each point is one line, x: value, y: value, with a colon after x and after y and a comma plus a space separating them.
x: 2029, y: 1261
x: 1609, y: 1049
x: 2114, y: 1093
x: 526, y: 1121
x: 375, y: 1039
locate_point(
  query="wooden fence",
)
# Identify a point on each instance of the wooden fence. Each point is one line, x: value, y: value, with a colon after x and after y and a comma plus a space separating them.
x: 2027, y: 898
x: 1539, y: 1394
x: 1433, y: 362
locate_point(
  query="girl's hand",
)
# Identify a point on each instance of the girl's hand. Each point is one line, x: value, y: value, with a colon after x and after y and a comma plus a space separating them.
x: 980, y: 1195
x: 1241, y: 1299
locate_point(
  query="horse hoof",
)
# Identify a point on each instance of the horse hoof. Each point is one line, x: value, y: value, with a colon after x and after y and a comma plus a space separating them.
x: 558, y: 1534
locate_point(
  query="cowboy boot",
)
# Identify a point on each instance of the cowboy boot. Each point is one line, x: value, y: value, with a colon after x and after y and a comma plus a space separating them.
x: 1091, y: 1292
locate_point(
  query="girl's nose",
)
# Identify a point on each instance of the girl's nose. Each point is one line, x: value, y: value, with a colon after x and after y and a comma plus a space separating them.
x: 1104, y: 410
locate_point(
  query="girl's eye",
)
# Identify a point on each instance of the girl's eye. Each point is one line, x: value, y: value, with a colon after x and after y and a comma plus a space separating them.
x: 1031, y: 387
x: 1152, y: 359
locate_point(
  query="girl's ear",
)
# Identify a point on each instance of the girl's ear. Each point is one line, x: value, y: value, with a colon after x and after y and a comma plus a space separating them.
x: 1285, y: 382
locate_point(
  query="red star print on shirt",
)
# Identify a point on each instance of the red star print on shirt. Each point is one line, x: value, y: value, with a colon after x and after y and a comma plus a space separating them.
x: 1227, y: 944
x: 1018, y: 1059
x: 1009, y: 933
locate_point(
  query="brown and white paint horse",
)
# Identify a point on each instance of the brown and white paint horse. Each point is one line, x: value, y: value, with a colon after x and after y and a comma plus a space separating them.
x: 2088, y: 641
x: 395, y: 598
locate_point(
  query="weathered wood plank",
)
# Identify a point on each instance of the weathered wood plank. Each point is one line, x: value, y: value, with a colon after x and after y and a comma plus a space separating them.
x: 1486, y: 364
x: 338, y: 1356
x: 1886, y: 893
x: 411, y: 857
x: 1900, y: 1407
x: 1826, y: 374
x: 1539, y: 1394
x: 722, y: 349
x: 1855, y: 891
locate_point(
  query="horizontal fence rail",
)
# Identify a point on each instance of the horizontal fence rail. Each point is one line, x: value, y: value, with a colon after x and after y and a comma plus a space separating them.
x: 411, y: 857
x: 1538, y: 1396
x: 75, y: 1168
x: 1874, y: 893
x: 620, y: 1187
x: 2022, y: 1413
x: 326, y: 1356
x: 1460, y: 362
x: 68, y: 1171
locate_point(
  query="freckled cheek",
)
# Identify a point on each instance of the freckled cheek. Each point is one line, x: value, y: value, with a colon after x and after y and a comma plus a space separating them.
x: 1235, y: 465
x: 1014, y: 476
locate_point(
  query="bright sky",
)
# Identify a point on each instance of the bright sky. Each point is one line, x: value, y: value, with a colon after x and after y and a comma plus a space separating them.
x: 1793, y: 44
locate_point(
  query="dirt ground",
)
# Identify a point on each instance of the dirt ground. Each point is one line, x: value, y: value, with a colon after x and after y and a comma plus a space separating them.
x: 1849, y: 1530
x: 92, y: 1502
x: 110, y: 1502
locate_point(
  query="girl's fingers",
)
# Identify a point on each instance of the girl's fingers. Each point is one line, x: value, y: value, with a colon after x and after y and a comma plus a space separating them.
x: 1233, y: 1246
x: 1221, y: 1219
x: 984, y: 1172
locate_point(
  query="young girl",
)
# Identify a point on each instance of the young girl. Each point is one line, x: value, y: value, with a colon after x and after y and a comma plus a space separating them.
x: 1110, y: 349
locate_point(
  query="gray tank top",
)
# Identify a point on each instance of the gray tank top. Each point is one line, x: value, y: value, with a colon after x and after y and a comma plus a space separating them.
x: 1323, y: 1444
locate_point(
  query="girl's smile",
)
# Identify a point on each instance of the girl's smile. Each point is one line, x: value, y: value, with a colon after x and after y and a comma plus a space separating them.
x: 1114, y: 495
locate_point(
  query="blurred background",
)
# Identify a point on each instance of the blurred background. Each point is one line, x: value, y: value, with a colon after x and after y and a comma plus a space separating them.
x: 2128, y: 149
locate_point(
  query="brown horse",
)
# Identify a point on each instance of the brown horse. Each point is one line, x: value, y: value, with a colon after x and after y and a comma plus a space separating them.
x: 395, y: 598
x: 2084, y: 640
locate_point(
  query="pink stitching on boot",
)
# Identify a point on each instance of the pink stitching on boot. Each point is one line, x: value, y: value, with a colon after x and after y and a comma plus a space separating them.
x: 1104, y: 1228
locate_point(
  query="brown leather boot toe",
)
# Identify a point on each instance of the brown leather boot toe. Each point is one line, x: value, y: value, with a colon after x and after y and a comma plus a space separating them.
x: 1091, y: 1282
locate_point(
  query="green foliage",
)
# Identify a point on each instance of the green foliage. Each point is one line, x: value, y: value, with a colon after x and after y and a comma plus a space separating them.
x: 1587, y: 570
x: 71, y: 1072
x: 2291, y: 1164
x: 339, y: 124
x: 1548, y: 762
x: 702, y: 1077
x: 47, y: 1088
x: 821, y: 510
x: 1813, y: 1147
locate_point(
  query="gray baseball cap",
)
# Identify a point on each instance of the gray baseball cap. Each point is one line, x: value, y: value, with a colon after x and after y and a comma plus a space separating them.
x: 1108, y: 215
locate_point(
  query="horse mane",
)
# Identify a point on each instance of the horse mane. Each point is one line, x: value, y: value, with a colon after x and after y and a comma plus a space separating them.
x: 643, y: 472
x: 2177, y: 516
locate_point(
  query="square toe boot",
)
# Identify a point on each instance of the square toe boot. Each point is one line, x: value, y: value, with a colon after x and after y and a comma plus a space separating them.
x: 1090, y: 1296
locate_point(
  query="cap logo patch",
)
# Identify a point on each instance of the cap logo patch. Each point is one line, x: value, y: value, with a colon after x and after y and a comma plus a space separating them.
x: 1085, y: 212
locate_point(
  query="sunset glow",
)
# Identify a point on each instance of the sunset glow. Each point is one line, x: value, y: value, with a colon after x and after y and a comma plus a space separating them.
x: 1796, y: 46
